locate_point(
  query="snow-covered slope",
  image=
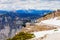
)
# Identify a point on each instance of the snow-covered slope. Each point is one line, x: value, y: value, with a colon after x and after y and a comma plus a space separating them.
x: 52, y: 21
x: 49, y: 34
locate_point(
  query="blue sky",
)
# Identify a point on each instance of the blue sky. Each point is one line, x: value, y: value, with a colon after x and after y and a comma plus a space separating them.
x: 29, y: 4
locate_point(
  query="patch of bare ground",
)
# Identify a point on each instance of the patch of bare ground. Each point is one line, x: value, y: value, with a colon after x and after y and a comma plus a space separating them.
x: 37, y: 28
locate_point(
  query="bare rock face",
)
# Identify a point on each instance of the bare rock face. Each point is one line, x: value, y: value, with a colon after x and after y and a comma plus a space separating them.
x: 50, y: 15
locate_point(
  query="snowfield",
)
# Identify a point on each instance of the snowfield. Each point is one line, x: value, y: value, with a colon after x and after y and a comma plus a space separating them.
x: 42, y: 33
x: 51, y: 34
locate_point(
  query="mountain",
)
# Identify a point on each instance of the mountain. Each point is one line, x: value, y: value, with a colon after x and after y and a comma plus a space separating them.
x: 13, y: 21
x: 46, y: 27
x: 40, y: 26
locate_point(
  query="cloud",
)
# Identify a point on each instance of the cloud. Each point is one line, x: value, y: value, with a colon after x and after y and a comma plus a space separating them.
x: 28, y: 4
x: 49, y: 0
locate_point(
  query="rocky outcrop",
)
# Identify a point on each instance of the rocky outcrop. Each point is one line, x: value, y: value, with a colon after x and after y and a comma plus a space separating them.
x: 49, y: 15
x: 36, y: 28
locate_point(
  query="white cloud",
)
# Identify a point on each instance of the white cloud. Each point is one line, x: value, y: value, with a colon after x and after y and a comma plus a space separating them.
x: 28, y: 4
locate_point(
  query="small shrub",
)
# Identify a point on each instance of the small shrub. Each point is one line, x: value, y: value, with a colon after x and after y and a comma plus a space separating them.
x: 22, y: 36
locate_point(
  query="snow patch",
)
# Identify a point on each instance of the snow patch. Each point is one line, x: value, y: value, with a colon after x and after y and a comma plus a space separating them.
x: 52, y: 21
x: 42, y: 33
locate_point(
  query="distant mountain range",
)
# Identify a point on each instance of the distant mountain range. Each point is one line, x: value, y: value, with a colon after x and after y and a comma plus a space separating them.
x: 26, y: 13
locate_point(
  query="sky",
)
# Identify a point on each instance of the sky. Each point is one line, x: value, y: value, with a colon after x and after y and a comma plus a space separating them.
x: 29, y: 4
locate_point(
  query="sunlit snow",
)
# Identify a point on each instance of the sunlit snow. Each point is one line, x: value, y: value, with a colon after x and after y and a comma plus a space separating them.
x: 52, y: 21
